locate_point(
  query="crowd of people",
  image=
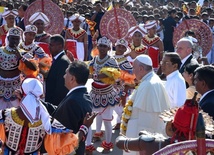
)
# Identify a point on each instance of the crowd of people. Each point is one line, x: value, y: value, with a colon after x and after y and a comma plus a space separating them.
x: 44, y: 103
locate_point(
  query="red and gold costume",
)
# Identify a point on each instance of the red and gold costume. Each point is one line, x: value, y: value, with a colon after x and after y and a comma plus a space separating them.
x: 153, y: 51
x: 72, y: 44
x: 139, y: 50
x: 21, y: 139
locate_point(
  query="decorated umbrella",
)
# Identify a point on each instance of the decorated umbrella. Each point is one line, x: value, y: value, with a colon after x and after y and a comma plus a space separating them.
x: 202, y: 32
x: 116, y: 23
x: 51, y: 10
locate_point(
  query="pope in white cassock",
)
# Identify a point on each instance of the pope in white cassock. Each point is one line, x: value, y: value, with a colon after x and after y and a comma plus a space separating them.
x: 149, y: 100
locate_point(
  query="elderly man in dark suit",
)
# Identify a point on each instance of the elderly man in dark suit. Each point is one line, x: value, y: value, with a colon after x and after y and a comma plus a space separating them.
x: 72, y: 110
x: 55, y: 88
x: 204, y: 84
x: 184, y: 48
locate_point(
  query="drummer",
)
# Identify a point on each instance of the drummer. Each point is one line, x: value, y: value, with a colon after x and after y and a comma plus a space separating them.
x: 79, y: 35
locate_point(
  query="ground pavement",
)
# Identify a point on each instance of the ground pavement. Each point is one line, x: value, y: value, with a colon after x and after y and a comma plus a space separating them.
x: 97, y: 145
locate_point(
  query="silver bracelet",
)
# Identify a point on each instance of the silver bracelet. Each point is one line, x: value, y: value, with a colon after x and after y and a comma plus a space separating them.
x: 126, y: 142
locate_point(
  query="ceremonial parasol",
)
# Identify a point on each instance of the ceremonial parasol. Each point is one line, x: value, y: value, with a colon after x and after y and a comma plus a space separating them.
x: 116, y: 23
x: 202, y: 32
x: 51, y: 10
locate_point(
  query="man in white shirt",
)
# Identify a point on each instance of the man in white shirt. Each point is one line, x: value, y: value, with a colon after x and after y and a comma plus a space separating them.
x: 175, y: 84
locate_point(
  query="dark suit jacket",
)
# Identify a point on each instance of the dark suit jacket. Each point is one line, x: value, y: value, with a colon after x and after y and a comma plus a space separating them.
x: 207, y: 104
x: 72, y: 110
x: 169, y: 24
x: 55, y: 83
x: 190, y: 59
x: 21, y: 24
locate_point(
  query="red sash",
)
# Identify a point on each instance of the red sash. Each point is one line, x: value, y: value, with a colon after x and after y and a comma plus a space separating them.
x: 154, y: 55
x: 45, y: 47
x: 71, y: 45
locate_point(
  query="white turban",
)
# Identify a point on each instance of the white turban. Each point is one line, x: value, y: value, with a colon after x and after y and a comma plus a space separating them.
x: 31, y: 106
x: 138, y: 28
x: 39, y: 16
x: 76, y: 16
x: 150, y: 24
x: 10, y: 12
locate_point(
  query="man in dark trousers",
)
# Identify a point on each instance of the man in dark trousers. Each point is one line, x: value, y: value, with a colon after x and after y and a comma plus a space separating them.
x: 55, y: 84
x: 204, y: 84
x: 169, y: 24
x: 73, y: 108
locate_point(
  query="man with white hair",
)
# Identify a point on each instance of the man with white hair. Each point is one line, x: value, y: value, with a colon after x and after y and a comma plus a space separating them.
x: 146, y: 103
x: 184, y: 48
x: 78, y: 37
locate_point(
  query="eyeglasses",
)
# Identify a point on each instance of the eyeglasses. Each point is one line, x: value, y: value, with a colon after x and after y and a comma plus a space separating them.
x: 163, y: 63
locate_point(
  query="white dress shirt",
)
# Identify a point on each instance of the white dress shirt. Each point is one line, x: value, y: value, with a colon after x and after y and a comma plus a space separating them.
x: 176, y: 89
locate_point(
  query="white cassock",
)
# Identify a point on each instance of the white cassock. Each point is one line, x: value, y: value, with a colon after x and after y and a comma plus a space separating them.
x: 149, y: 100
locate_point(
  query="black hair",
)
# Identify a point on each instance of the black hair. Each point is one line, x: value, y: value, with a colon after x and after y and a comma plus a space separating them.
x: 58, y: 38
x: 174, y: 58
x: 191, y: 67
x: 24, y: 6
x: 206, y: 73
x: 80, y: 71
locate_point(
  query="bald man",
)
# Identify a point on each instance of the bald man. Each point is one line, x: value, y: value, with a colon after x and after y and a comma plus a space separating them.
x: 184, y: 49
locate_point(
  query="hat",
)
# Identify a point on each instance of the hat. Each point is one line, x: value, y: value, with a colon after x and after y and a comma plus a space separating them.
x: 14, y: 32
x: 121, y: 42
x: 76, y: 16
x: 150, y: 24
x: 10, y: 12
x: 104, y: 41
x: 138, y: 28
x: 145, y: 59
x: 30, y: 28
x: 39, y: 16
x: 31, y: 105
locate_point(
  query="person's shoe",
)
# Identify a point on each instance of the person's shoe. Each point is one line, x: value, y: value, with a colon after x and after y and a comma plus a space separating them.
x: 89, y: 150
x: 106, y: 147
x: 116, y: 127
x: 97, y: 136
